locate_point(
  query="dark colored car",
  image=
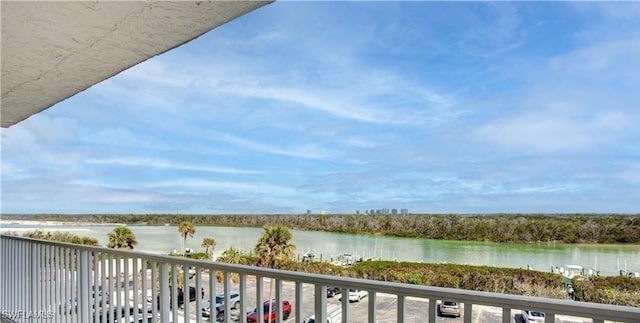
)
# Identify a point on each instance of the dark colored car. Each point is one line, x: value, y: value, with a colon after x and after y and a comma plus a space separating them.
x: 333, y: 291
x: 270, y: 311
x: 192, y: 296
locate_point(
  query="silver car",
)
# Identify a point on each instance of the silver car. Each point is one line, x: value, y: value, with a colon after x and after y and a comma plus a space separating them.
x: 234, y: 301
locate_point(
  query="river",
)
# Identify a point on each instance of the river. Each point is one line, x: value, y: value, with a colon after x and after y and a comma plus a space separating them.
x: 607, y: 258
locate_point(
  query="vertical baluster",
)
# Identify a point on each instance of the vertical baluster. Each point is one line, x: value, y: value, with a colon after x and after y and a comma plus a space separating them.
x: 186, y: 293
x: 98, y: 291
x: 154, y: 290
x: 299, y: 300
x: 212, y: 295
x: 259, y: 299
x: 372, y: 307
x: 143, y: 277
x: 433, y: 303
x: 83, y: 273
x: 345, y: 303
x: 506, y: 315
x: 118, y: 281
x: 164, y: 293
x: 278, y: 310
x: 321, y: 303
x: 33, y: 282
x: 174, y: 292
x: 135, y: 292
x: 198, y: 295
x: 227, y: 296
x: 243, y: 294
x: 468, y: 312
x: 103, y: 282
x: 127, y: 289
x: 401, y: 308
x: 58, y: 290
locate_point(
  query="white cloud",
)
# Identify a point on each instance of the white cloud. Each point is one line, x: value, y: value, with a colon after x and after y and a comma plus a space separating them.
x: 549, y: 130
x: 222, y: 186
x: 164, y: 164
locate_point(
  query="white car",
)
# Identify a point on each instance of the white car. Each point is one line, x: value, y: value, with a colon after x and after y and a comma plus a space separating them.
x: 355, y: 295
x: 334, y: 315
x: 532, y: 317
x: 234, y: 302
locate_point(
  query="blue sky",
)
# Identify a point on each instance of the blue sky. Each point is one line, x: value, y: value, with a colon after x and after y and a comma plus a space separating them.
x: 459, y: 107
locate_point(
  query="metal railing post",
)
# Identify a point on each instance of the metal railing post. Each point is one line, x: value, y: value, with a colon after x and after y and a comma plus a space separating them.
x: 372, y: 306
x: 164, y: 293
x: 33, y: 281
x: 84, y: 271
x: 299, y: 302
x: 259, y: 299
x: 468, y: 312
x: 320, y: 303
x: 400, y: 309
x: 506, y: 315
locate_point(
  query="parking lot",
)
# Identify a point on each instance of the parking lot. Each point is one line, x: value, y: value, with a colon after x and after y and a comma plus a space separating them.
x: 416, y: 310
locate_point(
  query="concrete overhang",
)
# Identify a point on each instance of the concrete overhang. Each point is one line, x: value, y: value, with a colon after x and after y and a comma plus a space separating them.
x: 53, y: 50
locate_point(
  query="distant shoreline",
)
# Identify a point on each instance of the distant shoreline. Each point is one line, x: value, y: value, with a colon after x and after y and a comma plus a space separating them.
x: 501, y: 228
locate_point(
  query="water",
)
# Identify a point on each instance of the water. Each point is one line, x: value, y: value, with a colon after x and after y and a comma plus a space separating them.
x: 608, y: 259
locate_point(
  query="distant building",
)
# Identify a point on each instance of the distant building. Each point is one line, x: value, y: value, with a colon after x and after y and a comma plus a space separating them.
x: 308, y: 211
x: 404, y: 211
x: 357, y: 211
x: 385, y: 211
x: 394, y: 211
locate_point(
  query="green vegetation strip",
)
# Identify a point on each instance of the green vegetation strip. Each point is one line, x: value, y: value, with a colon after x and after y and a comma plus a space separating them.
x: 512, y: 228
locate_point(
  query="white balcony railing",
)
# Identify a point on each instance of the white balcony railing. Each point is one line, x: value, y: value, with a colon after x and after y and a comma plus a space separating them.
x: 58, y: 282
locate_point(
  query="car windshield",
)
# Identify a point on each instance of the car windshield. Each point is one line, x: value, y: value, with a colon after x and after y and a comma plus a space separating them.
x: 448, y: 303
x: 266, y: 307
x: 219, y: 299
x: 537, y: 314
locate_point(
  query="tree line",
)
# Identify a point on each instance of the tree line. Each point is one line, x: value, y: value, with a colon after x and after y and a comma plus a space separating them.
x: 510, y: 228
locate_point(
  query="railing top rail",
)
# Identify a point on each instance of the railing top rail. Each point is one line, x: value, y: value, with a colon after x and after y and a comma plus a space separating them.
x: 566, y: 307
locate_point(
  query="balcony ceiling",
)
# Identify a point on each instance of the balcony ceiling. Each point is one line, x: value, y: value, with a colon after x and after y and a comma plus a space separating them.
x: 53, y: 50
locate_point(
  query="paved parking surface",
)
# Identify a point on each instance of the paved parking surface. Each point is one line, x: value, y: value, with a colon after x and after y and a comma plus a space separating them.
x: 416, y: 310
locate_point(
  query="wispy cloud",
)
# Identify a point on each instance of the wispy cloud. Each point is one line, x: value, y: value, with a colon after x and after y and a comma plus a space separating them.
x: 164, y: 164
x: 225, y: 186
x: 549, y: 130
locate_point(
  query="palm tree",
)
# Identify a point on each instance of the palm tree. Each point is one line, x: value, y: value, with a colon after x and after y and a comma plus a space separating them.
x: 122, y: 238
x: 230, y: 256
x: 209, y: 243
x: 274, y: 246
x: 186, y: 229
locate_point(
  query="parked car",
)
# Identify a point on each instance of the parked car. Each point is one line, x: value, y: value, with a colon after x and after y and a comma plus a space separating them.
x: 71, y: 305
x: 355, y: 295
x: 270, y: 311
x: 532, y: 317
x: 333, y: 291
x: 334, y: 315
x: 119, y: 315
x: 192, y: 296
x: 234, y: 301
x: 450, y: 308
